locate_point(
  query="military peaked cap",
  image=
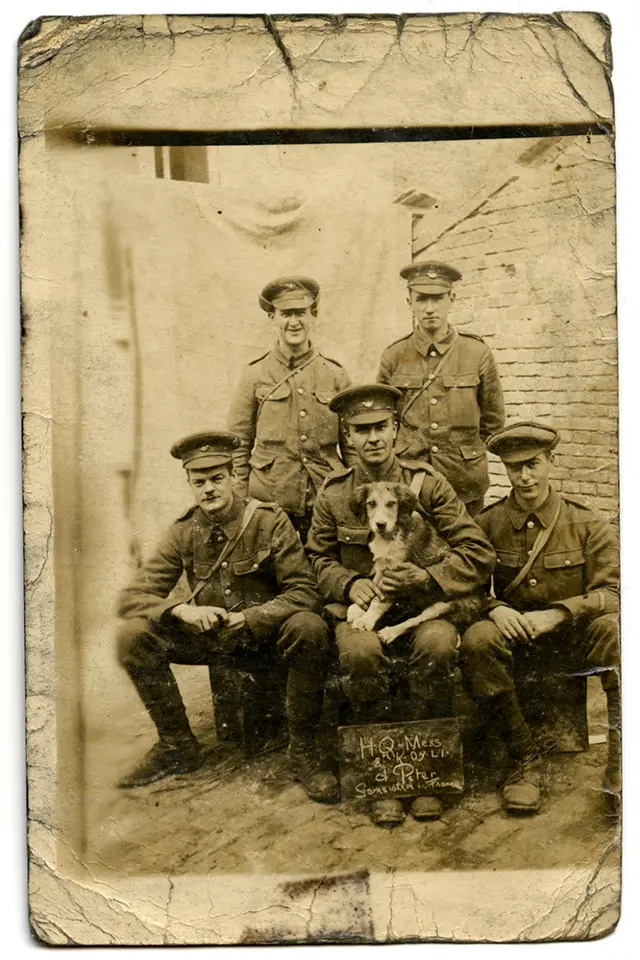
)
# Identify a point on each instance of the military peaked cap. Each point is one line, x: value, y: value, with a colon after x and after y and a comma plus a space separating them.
x: 428, y: 276
x: 201, y: 450
x: 289, y: 293
x: 522, y: 441
x: 370, y: 403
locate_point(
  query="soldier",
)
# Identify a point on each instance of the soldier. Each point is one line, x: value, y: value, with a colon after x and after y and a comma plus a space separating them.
x: 281, y: 412
x: 556, y: 588
x: 252, y: 599
x: 451, y: 394
x: 341, y: 560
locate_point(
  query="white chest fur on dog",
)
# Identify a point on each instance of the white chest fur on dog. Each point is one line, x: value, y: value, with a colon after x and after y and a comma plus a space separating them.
x: 385, y: 550
x: 398, y: 533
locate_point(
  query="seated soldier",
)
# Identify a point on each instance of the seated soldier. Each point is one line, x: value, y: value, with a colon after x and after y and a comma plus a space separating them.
x: 342, y: 562
x: 252, y: 599
x: 556, y: 587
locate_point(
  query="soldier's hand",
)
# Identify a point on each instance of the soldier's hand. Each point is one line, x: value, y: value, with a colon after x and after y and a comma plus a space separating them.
x: 544, y: 621
x: 511, y: 624
x: 401, y: 578
x: 363, y: 592
x: 236, y: 621
x: 200, y: 619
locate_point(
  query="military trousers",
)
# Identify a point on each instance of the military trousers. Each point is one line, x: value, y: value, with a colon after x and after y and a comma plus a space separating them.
x: 490, y: 664
x: 366, y: 665
x: 146, y: 650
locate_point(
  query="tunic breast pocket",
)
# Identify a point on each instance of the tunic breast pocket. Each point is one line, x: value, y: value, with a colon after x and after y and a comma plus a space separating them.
x: 507, y: 565
x: 255, y: 578
x: 323, y: 422
x: 565, y: 576
x: 462, y: 394
x: 273, y: 412
x: 354, y: 552
x: 252, y: 563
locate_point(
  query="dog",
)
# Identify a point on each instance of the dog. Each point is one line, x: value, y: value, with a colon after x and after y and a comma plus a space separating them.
x: 401, y: 533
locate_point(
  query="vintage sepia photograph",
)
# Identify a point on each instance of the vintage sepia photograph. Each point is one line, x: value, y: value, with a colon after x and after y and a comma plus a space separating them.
x: 321, y: 479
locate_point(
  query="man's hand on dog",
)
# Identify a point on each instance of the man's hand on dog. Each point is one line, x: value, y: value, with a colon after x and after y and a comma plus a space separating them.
x: 401, y: 578
x: 363, y: 591
x: 526, y: 627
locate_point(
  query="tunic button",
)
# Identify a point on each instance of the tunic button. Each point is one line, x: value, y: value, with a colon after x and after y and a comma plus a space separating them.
x: 434, y: 449
x: 304, y: 459
x: 303, y: 436
x: 224, y: 564
x: 567, y: 563
x: 303, y: 413
x: 433, y: 353
x: 434, y: 426
x: 533, y: 582
x: 227, y: 592
x: 300, y: 390
x: 347, y: 538
x: 255, y: 566
x: 530, y: 524
x: 434, y: 400
x: 220, y: 539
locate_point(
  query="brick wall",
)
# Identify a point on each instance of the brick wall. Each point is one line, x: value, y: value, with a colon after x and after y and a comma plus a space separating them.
x: 536, y: 248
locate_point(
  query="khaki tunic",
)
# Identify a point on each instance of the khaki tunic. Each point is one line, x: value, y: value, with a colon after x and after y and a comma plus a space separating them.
x: 449, y: 421
x: 266, y: 575
x: 577, y: 569
x: 337, y: 543
x: 289, y: 436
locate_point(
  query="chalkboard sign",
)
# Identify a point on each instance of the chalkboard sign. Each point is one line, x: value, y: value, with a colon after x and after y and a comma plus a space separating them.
x: 417, y: 758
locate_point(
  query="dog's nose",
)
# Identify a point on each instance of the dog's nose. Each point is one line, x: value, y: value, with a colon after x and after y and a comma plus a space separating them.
x: 381, y: 525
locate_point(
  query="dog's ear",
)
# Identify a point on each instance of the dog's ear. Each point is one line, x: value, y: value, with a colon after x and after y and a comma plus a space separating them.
x: 357, y: 501
x: 407, y: 500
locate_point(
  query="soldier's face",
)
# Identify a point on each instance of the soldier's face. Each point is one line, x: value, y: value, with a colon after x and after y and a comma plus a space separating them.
x: 431, y: 311
x: 373, y: 442
x: 294, y: 325
x: 212, y: 488
x: 530, y: 479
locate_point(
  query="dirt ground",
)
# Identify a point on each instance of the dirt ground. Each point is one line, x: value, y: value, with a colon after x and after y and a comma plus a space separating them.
x: 248, y: 816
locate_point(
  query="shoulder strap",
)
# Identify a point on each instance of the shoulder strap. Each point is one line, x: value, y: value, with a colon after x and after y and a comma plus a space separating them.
x: 281, y: 383
x: 536, y: 550
x: 416, y: 482
x: 249, y: 511
x: 444, y: 360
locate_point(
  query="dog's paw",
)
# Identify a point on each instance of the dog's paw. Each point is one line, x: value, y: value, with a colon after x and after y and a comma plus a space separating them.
x: 354, y: 612
x: 388, y: 634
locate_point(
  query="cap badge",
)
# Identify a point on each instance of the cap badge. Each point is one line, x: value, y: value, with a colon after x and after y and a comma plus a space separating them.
x: 432, y: 274
x: 205, y: 448
x: 367, y: 403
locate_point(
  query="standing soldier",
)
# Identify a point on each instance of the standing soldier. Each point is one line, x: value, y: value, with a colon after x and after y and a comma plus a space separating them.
x: 451, y: 394
x: 556, y: 587
x: 253, y: 601
x: 289, y: 436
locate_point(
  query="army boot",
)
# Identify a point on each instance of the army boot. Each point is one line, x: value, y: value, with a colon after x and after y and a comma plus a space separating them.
x: 167, y: 758
x: 304, y: 706
x: 611, y: 782
x: 429, y: 807
x: 387, y: 813
x: 521, y: 792
x: 177, y: 750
